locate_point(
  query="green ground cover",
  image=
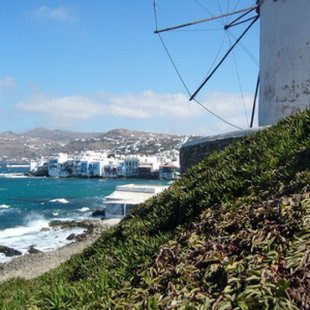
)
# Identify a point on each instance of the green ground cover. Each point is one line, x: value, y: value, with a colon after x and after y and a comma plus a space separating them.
x: 232, y: 233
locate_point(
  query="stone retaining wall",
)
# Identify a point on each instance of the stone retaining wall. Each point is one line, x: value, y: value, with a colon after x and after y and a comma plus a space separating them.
x: 194, y: 151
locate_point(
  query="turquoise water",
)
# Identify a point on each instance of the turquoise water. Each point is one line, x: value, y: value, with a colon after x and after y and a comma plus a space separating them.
x: 27, y: 204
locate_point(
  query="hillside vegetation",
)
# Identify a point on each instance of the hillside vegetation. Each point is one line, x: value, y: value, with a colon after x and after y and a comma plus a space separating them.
x: 41, y: 142
x: 233, y: 233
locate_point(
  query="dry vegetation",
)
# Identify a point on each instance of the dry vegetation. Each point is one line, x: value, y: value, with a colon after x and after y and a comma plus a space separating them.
x: 233, y: 233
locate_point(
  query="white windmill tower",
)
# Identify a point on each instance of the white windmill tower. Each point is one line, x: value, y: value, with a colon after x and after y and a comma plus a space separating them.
x: 284, y: 59
x: 284, y: 66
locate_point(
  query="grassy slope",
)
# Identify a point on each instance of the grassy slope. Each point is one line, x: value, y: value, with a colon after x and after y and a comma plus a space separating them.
x: 232, y: 233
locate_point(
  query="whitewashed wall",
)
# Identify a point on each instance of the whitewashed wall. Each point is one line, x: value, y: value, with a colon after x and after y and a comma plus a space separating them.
x: 284, y: 59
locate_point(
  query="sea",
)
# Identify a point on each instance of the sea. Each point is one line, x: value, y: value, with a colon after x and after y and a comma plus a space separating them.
x: 28, y: 204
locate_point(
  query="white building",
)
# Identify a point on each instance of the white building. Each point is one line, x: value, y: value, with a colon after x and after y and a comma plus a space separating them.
x: 111, y: 168
x: 55, y: 165
x: 153, y: 161
x: 131, y: 165
x: 95, y: 168
x: 168, y: 172
x: 92, y: 164
x: 125, y: 197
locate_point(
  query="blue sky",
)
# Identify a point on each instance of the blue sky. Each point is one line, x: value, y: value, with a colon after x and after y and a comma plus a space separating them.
x: 97, y: 65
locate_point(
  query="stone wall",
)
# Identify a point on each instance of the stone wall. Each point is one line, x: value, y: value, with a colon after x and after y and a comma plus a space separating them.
x: 195, y: 151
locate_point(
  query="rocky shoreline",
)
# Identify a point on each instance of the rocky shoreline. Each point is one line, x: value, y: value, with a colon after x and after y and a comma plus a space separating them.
x: 36, y: 263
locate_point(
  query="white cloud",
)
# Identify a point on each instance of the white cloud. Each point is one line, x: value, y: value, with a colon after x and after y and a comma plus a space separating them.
x: 56, y: 13
x: 150, y: 106
x: 145, y: 105
x: 231, y: 106
x: 6, y: 83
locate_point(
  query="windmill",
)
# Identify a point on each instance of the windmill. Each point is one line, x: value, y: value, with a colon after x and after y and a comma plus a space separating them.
x: 283, y: 83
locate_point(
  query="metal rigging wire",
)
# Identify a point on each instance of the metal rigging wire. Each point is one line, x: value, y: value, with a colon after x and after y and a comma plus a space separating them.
x: 220, y: 22
x: 205, y: 8
x: 247, y: 51
x: 174, y: 64
x: 236, y: 5
x: 223, y: 59
x: 254, y: 100
x: 238, y: 20
x: 158, y: 32
x: 239, y: 82
x: 209, y: 19
x: 216, y: 56
x: 186, y: 88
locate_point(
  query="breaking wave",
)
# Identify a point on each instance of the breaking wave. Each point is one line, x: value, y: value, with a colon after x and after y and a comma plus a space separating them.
x: 60, y: 200
x: 84, y: 209
x: 3, y: 206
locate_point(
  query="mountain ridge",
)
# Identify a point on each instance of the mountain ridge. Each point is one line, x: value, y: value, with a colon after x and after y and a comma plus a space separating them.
x: 41, y: 142
x: 42, y: 132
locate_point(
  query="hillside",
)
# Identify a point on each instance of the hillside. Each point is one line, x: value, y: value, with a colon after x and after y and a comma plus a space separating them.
x: 232, y: 233
x: 42, y: 142
x: 58, y: 135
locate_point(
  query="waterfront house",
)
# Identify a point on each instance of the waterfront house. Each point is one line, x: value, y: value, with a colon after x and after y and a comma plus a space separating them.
x: 125, y: 197
x: 55, y: 165
x: 168, y: 172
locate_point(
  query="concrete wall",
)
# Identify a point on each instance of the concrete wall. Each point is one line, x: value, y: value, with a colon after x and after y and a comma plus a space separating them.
x: 284, y: 59
x: 195, y: 151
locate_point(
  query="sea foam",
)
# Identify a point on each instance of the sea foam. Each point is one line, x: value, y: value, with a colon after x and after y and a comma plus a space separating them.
x: 31, y: 226
x: 31, y: 234
x: 84, y: 209
x: 13, y: 175
x: 60, y: 200
x: 3, y: 206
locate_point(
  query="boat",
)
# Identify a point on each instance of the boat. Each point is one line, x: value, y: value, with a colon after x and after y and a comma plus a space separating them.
x: 121, y: 202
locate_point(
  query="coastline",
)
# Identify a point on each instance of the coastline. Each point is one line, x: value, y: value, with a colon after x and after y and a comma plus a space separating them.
x: 29, y: 266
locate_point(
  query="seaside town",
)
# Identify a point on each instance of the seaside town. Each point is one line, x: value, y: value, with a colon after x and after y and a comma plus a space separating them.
x: 94, y: 164
x: 119, y: 153
x: 94, y: 220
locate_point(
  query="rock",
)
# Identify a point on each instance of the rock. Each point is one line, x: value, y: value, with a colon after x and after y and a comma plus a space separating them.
x: 71, y: 224
x: 86, y: 224
x: 90, y: 226
x: 63, y: 224
x: 81, y: 237
x: 71, y: 237
x: 45, y: 229
x: 99, y: 212
x: 33, y: 250
x: 9, y: 251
